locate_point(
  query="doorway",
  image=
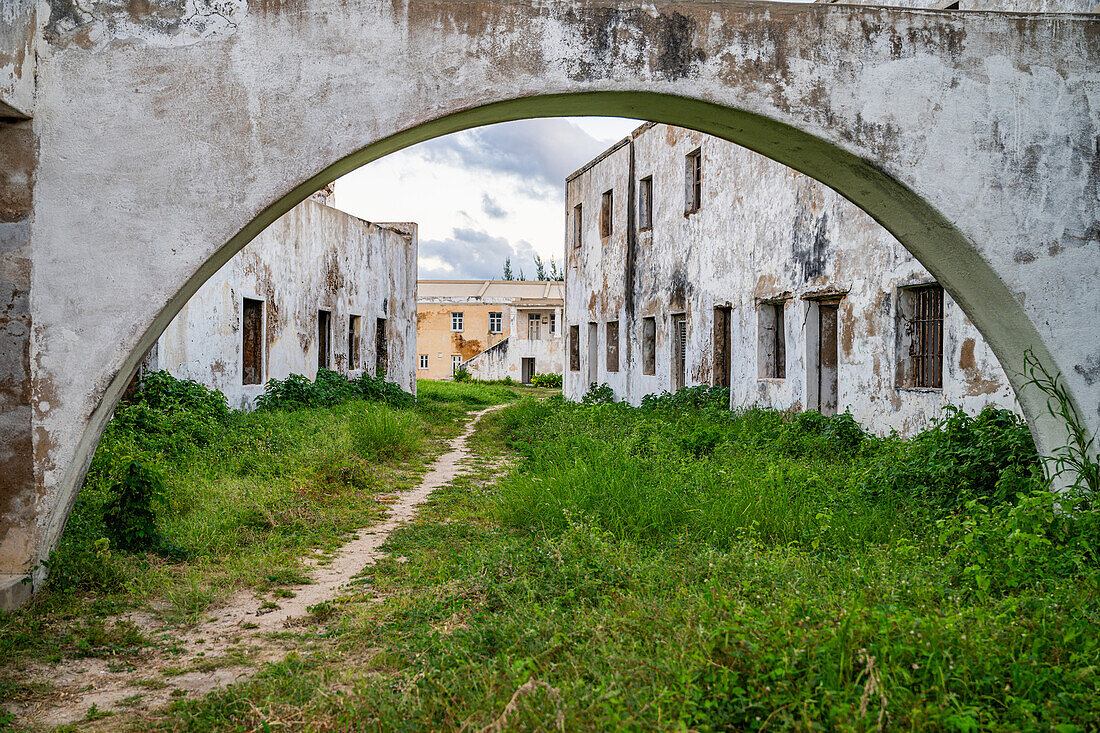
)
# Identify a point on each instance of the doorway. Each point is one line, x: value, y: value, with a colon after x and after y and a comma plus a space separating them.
x: 528, y: 369
x: 679, y: 351
x: 723, y: 364
x: 827, y: 358
x: 593, y: 352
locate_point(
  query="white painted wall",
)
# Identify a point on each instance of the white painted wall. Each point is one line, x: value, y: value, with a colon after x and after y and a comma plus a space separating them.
x: 764, y: 231
x: 314, y: 257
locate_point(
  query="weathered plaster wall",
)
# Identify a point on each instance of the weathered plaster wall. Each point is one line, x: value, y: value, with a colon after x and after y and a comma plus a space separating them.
x: 763, y: 232
x: 506, y: 359
x: 435, y: 338
x: 170, y: 133
x: 314, y: 257
x: 18, y: 41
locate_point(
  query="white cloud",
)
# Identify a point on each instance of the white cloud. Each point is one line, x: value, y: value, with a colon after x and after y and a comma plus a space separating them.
x: 482, y: 195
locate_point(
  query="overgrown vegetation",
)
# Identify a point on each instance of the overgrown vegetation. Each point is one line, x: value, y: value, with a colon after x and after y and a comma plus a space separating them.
x: 681, y: 566
x: 546, y: 381
x: 186, y: 500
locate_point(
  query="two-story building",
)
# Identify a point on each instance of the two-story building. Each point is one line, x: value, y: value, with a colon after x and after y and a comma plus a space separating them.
x: 492, y: 328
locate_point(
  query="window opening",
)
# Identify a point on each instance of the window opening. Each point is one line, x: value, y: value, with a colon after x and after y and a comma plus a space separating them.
x: 723, y: 363
x: 456, y: 321
x: 693, y: 201
x: 921, y: 310
x: 456, y: 362
x: 496, y: 322
x: 607, y: 203
x: 578, y: 225
x: 679, y: 351
x: 423, y: 361
x: 645, y: 203
x: 534, y: 326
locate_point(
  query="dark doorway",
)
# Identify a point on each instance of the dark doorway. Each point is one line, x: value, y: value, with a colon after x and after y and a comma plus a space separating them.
x: 324, y: 339
x: 528, y: 369
x: 722, y: 349
x: 252, y: 339
x: 353, y: 341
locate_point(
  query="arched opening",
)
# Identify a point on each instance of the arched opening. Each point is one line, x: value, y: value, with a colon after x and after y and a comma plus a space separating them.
x: 919, y: 226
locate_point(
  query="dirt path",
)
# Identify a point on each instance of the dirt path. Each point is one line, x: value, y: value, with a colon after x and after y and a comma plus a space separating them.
x: 239, y: 634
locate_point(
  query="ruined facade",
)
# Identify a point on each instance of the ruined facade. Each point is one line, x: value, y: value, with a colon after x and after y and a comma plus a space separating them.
x: 318, y: 288
x: 695, y: 261
x: 492, y: 328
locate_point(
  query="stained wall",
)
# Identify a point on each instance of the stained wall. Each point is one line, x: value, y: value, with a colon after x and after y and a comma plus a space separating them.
x: 763, y: 232
x: 313, y: 258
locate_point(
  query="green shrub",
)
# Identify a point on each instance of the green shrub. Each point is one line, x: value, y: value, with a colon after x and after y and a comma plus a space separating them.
x: 461, y: 375
x: 599, y: 394
x: 328, y: 389
x: 1005, y: 547
x: 988, y: 457
x: 546, y: 381
x: 128, y: 517
x: 700, y: 396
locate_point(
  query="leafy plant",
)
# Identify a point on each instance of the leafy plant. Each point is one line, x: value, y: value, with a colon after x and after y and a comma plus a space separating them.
x: 328, y: 389
x: 599, y: 394
x: 547, y: 381
x: 129, y: 517
x: 461, y: 375
x: 1077, y: 456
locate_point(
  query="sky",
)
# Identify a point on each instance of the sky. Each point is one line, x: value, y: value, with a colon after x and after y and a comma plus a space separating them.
x: 482, y: 195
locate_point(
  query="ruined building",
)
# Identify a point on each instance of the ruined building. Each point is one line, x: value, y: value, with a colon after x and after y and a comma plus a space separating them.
x: 318, y: 288
x: 691, y: 260
x: 493, y: 328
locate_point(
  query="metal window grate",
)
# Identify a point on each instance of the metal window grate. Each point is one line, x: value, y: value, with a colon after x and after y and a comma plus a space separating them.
x: 926, y: 348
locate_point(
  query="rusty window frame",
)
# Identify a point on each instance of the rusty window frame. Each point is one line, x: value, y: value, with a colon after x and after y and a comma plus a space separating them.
x: 926, y: 346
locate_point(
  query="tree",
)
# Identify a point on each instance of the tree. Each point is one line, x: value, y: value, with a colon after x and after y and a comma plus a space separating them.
x: 540, y: 269
x: 555, y: 273
x: 508, y: 269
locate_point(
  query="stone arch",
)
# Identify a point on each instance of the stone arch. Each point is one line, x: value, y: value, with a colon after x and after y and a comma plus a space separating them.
x: 749, y: 73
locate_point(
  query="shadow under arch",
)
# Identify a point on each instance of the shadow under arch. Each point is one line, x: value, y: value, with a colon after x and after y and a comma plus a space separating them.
x: 926, y: 233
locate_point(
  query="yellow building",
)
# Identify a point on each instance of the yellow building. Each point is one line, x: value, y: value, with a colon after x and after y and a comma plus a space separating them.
x: 494, y: 328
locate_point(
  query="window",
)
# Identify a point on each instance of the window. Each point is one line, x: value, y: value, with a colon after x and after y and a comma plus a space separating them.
x: 252, y: 341
x: 534, y: 326
x: 381, y: 348
x: 645, y: 203
x: 693, y: 201
x: 324, y: 339
x: 723, y: 365
x: 649, y: 345
x: 607, y: 203
x: 574, y: 348
x: 353, y: 341
x: 423, y: 361
x: 496, y: 322
x: 553, y: 324
x: 456, y: 321
x: 612, y: 346
x: 772, y: 350
x: 578, y: 225
x: 920, y: 333
x: 456, y: 362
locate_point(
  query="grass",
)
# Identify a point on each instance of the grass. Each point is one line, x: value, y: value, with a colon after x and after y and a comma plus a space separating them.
x: 687, y: 570
x: 243, y: 502
x: 681, y: 567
